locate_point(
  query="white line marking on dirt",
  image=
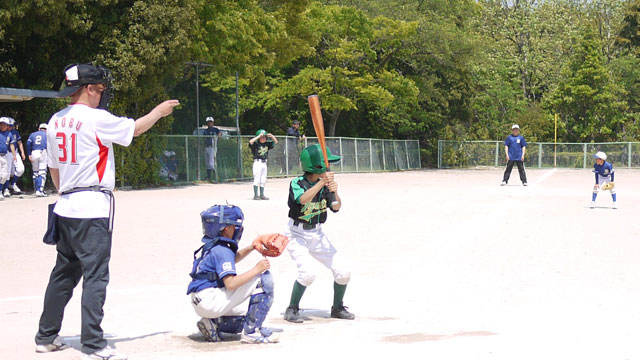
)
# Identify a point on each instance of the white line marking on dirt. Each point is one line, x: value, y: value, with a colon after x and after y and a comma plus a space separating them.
x: 545, y: 176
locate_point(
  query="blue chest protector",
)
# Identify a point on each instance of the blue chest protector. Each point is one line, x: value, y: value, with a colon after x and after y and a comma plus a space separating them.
x: 201, y: 275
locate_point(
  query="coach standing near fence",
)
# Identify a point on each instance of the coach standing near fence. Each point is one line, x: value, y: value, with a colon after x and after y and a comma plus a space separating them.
x: 80, y: 142
x: 515, y: 148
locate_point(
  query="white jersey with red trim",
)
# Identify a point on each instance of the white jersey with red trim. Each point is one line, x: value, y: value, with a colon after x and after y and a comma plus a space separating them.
x: 80, y: 145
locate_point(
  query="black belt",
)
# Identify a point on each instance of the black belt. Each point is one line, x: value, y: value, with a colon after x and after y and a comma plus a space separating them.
x: 305, y: 225
x: 3, y: 154
x: 263, y: 160
x: 98, y: 188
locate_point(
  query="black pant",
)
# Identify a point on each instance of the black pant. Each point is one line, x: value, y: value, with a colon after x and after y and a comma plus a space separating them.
x: 507, y: 172
x: 84, y: 250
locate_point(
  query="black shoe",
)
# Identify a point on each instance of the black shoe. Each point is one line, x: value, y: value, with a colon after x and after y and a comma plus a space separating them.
x: 256, y: 197
x: 341, y: 312
x: 292, y: 314
x: 262, y: 197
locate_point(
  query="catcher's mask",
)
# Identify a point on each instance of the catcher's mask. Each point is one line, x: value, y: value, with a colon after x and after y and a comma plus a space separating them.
x: 217, y: 217
x: 79, y: 75
x: 313, y: 161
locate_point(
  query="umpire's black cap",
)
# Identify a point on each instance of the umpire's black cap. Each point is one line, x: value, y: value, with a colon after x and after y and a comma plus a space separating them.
x: 78, y: 75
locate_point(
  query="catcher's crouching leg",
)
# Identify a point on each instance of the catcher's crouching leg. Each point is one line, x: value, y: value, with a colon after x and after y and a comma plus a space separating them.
x: 259, y: 304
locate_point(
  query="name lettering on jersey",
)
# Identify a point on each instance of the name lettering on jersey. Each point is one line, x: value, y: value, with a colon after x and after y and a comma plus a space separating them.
x: 312, y: 209
x: 63, y: 124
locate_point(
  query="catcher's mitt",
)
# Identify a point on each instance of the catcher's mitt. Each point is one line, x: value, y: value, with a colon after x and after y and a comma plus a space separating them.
x: 608, y: 186
x: 270, y: 244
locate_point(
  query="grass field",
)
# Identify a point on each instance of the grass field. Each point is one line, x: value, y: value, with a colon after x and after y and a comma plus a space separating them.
x: 445, y: 265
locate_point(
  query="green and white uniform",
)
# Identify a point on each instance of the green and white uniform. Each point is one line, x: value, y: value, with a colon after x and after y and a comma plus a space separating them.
x: 307, y: 241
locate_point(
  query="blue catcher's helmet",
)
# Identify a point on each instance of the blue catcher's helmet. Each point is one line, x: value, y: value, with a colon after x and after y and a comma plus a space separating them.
x: 217, y: 217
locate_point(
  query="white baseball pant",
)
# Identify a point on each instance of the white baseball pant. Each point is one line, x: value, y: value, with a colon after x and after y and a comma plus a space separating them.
x: 307, y: 245
x: 259, y: 173
x: 210, y: 157
x: 18, y: 166
x: 5, y: 167
x: 213, y: 303
x: 39, y: 166
x: 604, y: 180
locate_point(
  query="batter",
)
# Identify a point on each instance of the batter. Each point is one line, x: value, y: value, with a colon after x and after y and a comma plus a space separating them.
x: 309, y: 198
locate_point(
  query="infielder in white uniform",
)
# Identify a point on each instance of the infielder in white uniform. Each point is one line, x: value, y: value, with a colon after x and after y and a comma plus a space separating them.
x: 80, y: 141
x: 260, y: 147
x: 309, y: 197
x: 37, y: 152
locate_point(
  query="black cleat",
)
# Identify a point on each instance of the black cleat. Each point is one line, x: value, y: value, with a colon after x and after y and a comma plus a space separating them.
x: 292, y: 314
x: 256, y: 197
x: 262, y: 197
x: 341, y: 312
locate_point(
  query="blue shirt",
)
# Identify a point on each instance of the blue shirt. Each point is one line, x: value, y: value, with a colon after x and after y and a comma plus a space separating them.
x: 6, y: 138
x: 221, y: 260
x: 37, y: 141
x: 212, y: 131
x: 515, y: 145
x: 604, y: 170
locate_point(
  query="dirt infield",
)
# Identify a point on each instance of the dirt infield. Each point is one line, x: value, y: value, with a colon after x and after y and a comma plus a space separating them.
x: 445, y: 265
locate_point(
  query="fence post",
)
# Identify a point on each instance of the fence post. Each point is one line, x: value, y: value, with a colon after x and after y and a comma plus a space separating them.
x: 355, y: 143
x: 286, y: 155
x: 406, y: 151
x: 186, y: 154
x: 539, y: 155
x: 440, y: 154
x: 584, y: 156
x: 629, y: 160
x: 497, y: 152
x: 341, y: 154
x: 384, y: 158
x: 371, y: 155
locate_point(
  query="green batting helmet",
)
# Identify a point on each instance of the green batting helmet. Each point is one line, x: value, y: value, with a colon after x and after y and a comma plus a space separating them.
x: 261, y: 132
x: 313, y: 161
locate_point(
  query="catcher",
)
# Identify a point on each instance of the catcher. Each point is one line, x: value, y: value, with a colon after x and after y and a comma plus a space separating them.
x: 309, y: 197
x: 228, y: 302
x: 604, y: 178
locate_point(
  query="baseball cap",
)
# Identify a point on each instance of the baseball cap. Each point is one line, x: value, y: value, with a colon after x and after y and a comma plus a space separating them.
x: 209, y: 118
x: 78, y: 75
x: 261, y: 132
x: 43, y: 126
x: 600, y: 155
x: 5, y: 120
x: 11, y: 120
x: 296, y: 122
x: 515, y: 126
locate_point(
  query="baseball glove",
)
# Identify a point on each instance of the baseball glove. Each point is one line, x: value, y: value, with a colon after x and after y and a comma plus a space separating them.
x: 608, y: 186
x: 270, y: 244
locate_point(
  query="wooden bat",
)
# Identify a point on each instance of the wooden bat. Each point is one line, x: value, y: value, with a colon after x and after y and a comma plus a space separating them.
x: 318, y: 126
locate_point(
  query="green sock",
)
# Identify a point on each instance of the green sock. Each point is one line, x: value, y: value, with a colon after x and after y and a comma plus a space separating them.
x: 255, y: 190
x: 296, y: 294
x: 261, y: 191
x: 338, y: 294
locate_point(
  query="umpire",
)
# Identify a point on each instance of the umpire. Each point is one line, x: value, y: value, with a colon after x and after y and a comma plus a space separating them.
x: 515, y: 147
x: 80, y: 142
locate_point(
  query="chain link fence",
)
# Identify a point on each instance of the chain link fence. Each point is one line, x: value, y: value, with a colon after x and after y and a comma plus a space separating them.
x: 182, y: 158
x: 456, y: 154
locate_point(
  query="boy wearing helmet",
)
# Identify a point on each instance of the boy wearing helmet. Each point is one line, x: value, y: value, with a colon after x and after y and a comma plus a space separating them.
x: 604, y: 175
x: 309, y: 197
x: 260, y: 147
x: 37, y: 152
x: 228, y: 302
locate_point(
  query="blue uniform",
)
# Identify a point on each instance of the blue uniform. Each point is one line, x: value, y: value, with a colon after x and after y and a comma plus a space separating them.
x: 5, y: 140
x: 209, y: 132
x: 220, y: 260
x: 605, y: 170
x: 515, y: 145
x: 37, y: 141
x: 16, y: 137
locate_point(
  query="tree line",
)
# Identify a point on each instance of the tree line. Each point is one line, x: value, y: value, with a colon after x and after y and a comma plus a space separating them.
x: 417, y: 69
